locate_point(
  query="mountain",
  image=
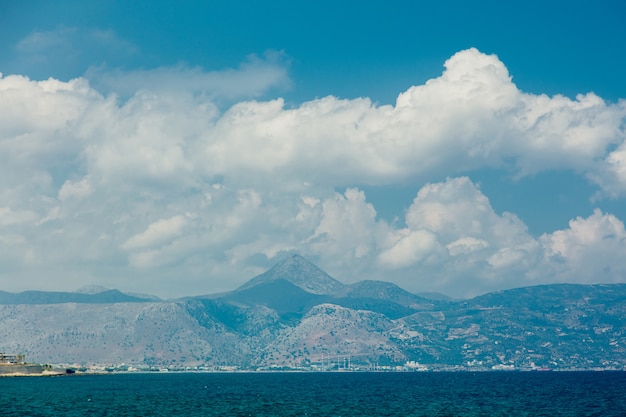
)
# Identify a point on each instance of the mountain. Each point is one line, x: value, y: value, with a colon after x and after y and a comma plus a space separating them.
x: 296, y: 316
x: 97, y: 289
x: 381, y: 290
x: 132, y: 333
x: 436, y: 296
x: 280, y: 295
x: 47, y: 297
x: 295, y: 285
x: 552, y: 326
x: 333, y: 333
x: 91, y: 289
x: 299, y: 272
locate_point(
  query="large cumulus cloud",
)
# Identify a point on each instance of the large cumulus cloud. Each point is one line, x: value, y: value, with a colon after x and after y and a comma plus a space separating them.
x: 166, y: 190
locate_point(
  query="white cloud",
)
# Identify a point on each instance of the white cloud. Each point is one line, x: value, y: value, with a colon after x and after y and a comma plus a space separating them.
x: 591, y: 250
x: 347, y: 227
x: 611, y: 176
x: 42, y: 41
x: 157, y: 233
x: 66, y: 50
x: 72, y: 40
x: 252, y: 79
x: 11, y: 217
x: 471, y: 117
x: 63, y: 51
x: 109, y: 39
x: 166, y: 180
x: 454, y: 235
x: 572, y: 134
x: 409, y: 248
x: 466, y: 245
x: 75, y: 189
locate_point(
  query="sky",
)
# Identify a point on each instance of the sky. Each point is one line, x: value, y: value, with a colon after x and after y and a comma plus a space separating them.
x: 181, y: 148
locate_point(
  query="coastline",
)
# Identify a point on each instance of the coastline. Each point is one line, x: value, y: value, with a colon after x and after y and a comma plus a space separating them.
x: 41, y: 374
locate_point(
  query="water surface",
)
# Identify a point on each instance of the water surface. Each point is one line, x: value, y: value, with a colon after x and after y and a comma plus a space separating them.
x: 318, y: 394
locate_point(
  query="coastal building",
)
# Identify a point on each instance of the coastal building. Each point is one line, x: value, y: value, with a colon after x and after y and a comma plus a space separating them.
x: 15, y: 364
x: 11, y: 358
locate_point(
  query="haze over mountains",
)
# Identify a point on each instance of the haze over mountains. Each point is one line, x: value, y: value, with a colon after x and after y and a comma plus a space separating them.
x: 295, y: 315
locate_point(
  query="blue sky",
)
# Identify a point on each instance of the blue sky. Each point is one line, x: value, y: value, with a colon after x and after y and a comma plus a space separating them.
x: 182, y: 147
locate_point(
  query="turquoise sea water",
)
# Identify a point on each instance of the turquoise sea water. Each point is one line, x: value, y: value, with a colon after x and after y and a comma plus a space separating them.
x: 318, y: 394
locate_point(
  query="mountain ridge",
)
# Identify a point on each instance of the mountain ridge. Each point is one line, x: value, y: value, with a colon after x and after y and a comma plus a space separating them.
x: 58, y: 297
x: 281, y: 320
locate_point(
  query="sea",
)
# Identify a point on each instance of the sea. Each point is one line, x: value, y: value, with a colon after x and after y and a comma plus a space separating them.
x: 318, y: 394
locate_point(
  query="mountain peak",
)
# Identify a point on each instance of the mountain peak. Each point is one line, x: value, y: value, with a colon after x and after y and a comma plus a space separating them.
x: 91, y: 289
x: 300, y: 272
x: 294, y: 263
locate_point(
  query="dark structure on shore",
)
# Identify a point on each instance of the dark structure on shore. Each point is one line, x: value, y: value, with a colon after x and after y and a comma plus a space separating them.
x: 15, y: 364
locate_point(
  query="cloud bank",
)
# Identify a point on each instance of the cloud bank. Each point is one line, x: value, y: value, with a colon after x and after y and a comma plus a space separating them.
x: 166, y: 192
